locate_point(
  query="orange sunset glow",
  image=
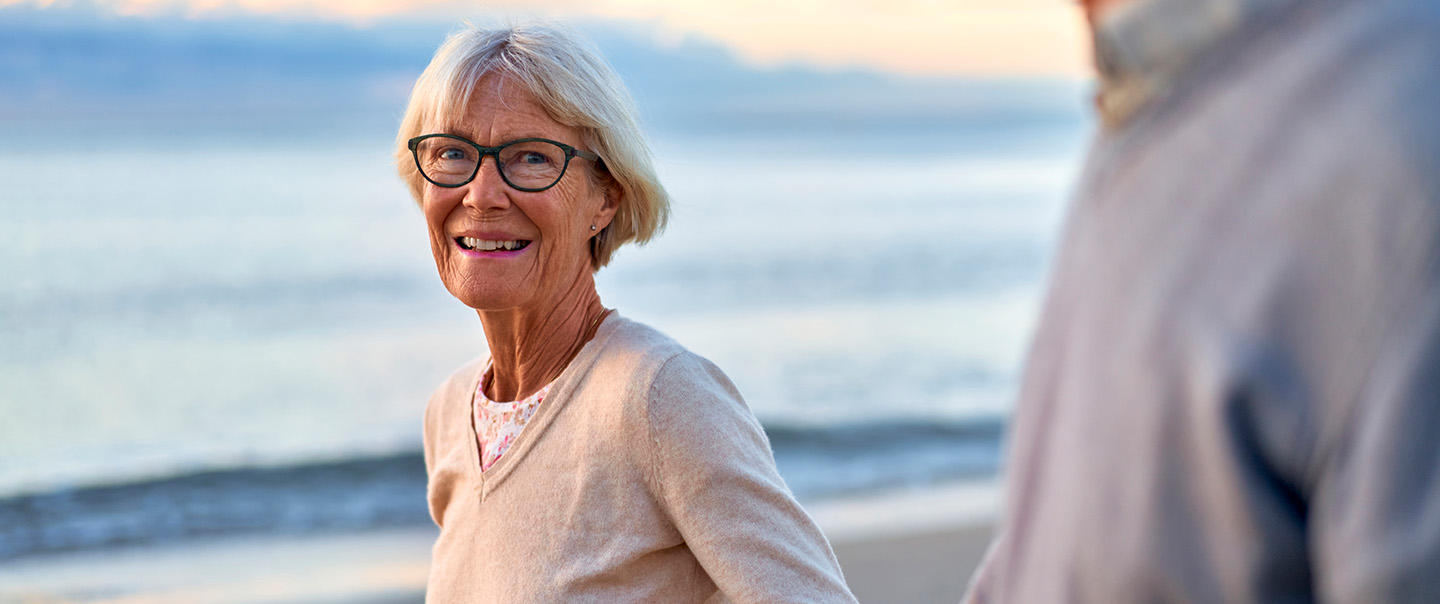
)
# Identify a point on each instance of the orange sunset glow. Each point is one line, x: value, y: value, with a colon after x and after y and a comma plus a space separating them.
x: 916, y: 37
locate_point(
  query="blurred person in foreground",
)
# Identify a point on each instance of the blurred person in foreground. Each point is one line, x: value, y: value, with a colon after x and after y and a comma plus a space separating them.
x: 588, y: 458
x: 1234, y: 391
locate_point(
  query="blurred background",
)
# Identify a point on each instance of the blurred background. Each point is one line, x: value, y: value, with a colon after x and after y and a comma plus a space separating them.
x: 219, y: 316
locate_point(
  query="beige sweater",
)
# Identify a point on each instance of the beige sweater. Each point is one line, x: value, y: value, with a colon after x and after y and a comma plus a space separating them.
x: 642, y: 478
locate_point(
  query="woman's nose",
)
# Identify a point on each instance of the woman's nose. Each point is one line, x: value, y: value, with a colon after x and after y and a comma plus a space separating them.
x: 487, y: 191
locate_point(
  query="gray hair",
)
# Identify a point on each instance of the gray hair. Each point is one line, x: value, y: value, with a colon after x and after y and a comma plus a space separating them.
x: 570, y: 80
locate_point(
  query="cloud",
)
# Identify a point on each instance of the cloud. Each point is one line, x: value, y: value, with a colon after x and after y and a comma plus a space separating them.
x: 66, y: 66
x: 918, y: 37
x: 958, y: 37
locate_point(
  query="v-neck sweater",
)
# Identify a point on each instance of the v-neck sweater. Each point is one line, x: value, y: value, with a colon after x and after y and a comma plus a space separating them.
x: 643, y: 478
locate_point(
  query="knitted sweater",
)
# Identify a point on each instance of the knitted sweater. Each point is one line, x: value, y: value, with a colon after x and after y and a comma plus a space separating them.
x: 642, y: 478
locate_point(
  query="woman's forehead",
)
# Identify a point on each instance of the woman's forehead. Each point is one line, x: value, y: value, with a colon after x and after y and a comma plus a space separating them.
x: 500, y: 108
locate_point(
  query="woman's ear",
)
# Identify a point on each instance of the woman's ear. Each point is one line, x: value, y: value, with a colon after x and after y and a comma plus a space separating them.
x: 613, y: 194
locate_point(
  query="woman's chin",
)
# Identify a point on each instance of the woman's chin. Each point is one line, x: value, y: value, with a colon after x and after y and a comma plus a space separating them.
x: 486, y: 300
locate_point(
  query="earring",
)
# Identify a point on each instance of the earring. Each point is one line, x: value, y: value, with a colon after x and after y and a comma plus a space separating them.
x: 592, y: 227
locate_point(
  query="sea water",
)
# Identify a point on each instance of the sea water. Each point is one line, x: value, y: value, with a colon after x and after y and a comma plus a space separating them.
x: 178, y: 306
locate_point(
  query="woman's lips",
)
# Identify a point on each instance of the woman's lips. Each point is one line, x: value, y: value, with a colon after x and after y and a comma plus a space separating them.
x: 493, y: 247
x: 489, y: 245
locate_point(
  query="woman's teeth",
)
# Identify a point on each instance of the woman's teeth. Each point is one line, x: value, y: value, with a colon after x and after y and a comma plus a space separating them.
x: 471, y: 243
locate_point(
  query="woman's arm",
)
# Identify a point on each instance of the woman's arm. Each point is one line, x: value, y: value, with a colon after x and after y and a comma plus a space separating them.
x: 716, y: 478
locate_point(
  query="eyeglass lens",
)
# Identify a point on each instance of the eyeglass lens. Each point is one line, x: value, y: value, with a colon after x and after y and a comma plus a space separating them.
x: 528, y: 165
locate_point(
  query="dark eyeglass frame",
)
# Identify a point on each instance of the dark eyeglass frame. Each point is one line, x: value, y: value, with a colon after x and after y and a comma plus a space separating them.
x: 570, y: 152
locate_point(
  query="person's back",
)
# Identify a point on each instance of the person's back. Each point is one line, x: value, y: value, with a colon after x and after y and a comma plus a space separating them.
x: 1234, y: 391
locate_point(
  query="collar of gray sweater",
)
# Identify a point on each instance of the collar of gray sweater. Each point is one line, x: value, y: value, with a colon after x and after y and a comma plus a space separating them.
x: 1143, y: 46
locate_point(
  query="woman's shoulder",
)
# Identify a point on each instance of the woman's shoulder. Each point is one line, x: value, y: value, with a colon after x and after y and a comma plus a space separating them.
x: 459, y: 387
x: 662, y: 370
x: 633, y: 349
x: 647, y: 355
x: 625, y: 336
x: 450, y: 400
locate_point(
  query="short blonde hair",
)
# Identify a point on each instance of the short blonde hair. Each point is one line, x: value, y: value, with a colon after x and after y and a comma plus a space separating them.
x: 570, y: 80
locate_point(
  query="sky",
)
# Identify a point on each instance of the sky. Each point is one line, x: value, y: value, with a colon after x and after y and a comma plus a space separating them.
x: 1003, y: 38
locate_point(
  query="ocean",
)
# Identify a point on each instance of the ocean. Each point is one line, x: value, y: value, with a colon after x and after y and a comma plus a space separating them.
x: 206, y: 334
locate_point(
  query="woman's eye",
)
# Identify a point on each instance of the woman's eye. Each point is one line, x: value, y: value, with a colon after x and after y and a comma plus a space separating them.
x: 534, y: 158
x: 451, y: 154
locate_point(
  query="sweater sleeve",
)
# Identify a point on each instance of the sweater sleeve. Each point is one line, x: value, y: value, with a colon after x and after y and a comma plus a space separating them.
x: 716, y: 478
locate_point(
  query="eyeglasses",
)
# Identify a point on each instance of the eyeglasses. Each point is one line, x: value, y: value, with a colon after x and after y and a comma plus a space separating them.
x: 527, y: 164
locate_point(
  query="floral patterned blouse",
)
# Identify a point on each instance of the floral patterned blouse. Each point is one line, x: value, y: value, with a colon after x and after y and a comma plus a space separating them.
x: 497, y: 425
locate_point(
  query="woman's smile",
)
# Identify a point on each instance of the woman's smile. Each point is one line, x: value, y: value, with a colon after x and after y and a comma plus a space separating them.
x: 490, y: 242
x: 477, y: 247
x: 484, y: 245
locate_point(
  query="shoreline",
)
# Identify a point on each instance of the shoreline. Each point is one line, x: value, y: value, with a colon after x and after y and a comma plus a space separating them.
x: 819, y: 464
x: 900, y: 546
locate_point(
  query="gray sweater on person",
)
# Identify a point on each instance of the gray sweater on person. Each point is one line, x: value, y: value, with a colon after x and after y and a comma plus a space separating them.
x: 1234, y: 391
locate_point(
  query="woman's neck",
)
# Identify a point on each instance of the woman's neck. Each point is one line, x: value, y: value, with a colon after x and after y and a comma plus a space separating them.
x: 529, y: 347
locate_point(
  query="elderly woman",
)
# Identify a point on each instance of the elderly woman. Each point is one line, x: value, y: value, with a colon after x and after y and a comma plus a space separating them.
x: 588, y: 457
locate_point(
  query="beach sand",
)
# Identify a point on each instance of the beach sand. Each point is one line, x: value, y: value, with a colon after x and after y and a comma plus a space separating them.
x: 911, y: 547
x: 914, y: 546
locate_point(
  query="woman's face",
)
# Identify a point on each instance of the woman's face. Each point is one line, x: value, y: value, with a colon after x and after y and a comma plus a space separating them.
x: 550, y: 229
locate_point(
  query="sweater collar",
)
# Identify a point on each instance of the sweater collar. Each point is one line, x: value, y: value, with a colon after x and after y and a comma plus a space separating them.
x: 1143, y: 46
